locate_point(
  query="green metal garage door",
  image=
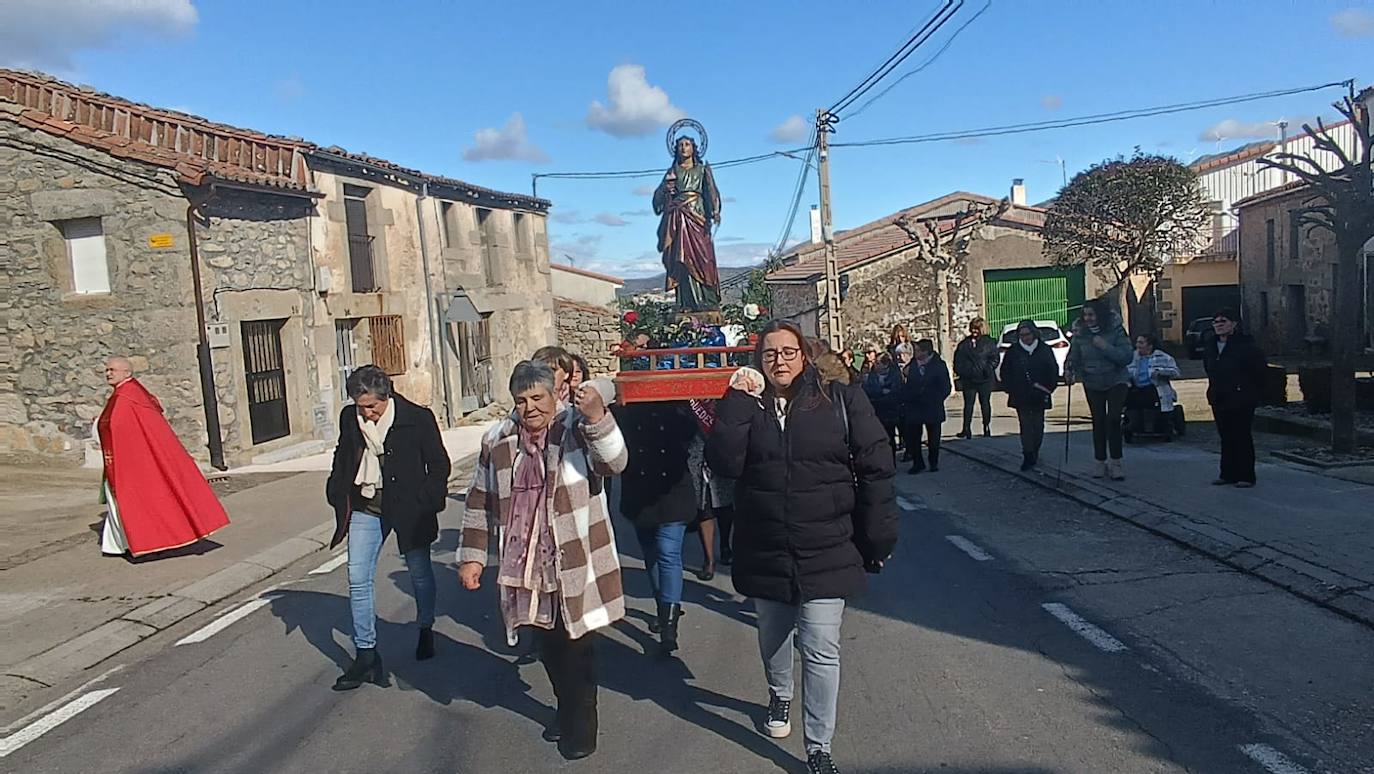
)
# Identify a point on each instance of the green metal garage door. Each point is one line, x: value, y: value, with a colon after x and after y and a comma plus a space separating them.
x: 1012, y: 295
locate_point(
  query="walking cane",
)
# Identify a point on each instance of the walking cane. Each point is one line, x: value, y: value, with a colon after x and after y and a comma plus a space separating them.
x: 1068, y: 423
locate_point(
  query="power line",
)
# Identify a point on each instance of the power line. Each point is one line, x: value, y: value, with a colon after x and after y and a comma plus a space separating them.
x: 925, y: 64
x: 1099, y: 118
x: 798, y: 190
x: 894, y: 61
x: 636, y: 173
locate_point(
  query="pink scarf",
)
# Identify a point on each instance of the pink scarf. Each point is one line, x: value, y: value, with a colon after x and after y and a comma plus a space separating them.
x: 528, y: 578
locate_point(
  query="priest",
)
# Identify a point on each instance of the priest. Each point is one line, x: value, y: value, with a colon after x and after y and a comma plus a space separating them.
x: 157, y: 497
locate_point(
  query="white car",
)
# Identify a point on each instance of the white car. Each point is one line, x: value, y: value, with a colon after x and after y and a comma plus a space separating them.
x: 1050, y: 334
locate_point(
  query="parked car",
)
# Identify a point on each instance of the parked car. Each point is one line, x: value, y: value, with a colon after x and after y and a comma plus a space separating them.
x: 1050, y: 333
x: 1196, y: 336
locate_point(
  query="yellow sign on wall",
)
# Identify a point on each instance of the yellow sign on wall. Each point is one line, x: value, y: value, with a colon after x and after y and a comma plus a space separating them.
x: 160, y: 240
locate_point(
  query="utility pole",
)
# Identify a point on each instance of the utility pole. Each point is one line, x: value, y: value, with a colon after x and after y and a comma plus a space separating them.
x: 825, y: 123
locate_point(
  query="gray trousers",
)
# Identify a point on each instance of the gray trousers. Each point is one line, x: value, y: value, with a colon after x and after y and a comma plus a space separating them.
x: 817, y: 625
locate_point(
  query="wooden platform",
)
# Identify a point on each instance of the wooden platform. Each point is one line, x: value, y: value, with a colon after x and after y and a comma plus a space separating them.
x: 699, y: 381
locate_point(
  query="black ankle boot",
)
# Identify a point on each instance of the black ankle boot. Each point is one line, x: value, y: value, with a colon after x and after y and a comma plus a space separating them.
x: 424, y: 649
x: 366, y: 668
x: 667, y: 626
x: 579, y: 735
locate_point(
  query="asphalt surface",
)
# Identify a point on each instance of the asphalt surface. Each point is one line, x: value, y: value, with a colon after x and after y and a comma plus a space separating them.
x: 950, y: 664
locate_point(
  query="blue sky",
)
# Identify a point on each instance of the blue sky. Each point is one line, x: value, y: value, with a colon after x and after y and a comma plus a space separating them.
x: 490, y: 92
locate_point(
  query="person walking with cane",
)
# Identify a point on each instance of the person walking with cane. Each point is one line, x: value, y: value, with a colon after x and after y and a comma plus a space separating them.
x: 1029, y: 374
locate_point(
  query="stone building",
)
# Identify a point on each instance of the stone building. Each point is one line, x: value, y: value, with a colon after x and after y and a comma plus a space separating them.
x: 1288, y: 273
x: 586, y: 287
x: 932, y: 268
x: 586, y: 316
x: 105, y: 202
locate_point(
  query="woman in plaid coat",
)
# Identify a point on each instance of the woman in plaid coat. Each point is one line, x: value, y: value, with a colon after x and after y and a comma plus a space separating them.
x: 537, y: 505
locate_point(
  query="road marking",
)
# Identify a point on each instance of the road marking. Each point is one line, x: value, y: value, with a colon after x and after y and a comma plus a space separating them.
x: 967, y: 546
x: 1099, y: 638
x: 1272, y: 760
x: 52, y: 720
x: 331, y: 565
x: 907, y: 505
x: 225, y: 621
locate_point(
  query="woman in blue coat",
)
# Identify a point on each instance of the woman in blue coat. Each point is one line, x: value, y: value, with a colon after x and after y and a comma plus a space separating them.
x: 927, y: 386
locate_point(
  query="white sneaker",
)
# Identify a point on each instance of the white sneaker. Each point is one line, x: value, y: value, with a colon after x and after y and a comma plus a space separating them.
x: 779, y: 722
x: 1100, y: 469
x: 1114, y: 470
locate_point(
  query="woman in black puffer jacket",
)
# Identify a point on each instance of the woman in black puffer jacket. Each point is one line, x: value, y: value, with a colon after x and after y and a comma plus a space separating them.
x: 814, y: 509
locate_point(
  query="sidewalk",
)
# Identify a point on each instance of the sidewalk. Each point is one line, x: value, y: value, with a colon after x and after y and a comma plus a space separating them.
x: 67, y: 608
x: 1306, y: 532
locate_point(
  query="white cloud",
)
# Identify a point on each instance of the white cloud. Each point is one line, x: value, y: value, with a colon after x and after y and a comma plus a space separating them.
x: 644, y: 190
x: 637, y: 213
x: 581, y: 249
x: 610, y: 219
x: 508, y: 143
x: 1233, y: 129
x: 1353, y: 23
x: 46, y: 34
x: 794, y: 129
x: 290, y: 88
x: 568, y: 216
x: 1051, y: 102
x: 637, y: 108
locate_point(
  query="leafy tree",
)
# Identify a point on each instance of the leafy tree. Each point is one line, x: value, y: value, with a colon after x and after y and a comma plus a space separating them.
x: 1342, y: 204
x: 1125, y: 217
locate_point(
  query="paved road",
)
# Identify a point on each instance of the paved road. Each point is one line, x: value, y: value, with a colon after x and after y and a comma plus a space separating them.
x: 952, y: 663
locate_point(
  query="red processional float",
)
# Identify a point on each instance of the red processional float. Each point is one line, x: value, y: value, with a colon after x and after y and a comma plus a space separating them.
x: 688, y: 348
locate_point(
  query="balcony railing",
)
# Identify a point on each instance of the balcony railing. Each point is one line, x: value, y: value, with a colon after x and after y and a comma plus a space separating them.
x: 360, y: 263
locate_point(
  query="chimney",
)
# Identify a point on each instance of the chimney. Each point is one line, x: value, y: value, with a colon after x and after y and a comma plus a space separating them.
x: 1018, y: 192
x: 815, y: 225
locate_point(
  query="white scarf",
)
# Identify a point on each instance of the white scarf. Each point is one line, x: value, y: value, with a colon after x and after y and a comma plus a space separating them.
x: 374, y: 435
x: 1028, y: 347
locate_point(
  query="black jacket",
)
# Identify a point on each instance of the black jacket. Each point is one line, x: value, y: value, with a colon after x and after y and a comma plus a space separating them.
x: 415, y: 475
x: 806, y: 518
x: 924, y: 393
x: 882, y: 393
x: 1020, y: 370
x: 975, y: 360
x: 657, y: 487
x: 1235, y: 375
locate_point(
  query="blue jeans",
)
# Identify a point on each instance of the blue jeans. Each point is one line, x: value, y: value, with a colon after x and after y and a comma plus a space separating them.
x: 366, y: 534
x: 817, y: 623
x: 662, y: 545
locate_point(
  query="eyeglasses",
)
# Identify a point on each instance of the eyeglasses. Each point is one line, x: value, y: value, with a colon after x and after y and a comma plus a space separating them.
x: 785, y: 354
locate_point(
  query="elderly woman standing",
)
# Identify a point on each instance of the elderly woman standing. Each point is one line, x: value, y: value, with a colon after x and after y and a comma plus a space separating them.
x: 540, y: 482
x: 390, y: 474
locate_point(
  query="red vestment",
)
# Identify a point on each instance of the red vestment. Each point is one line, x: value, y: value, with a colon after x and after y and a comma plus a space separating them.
x: 163, y: 500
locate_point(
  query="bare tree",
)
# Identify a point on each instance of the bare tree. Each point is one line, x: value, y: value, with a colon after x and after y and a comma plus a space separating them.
x: 1342, y: 204
x: 943, y: 242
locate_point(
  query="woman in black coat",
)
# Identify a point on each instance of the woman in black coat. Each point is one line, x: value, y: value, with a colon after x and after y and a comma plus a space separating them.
x: 879, y: 386
x: 975, y: 366
x: 1029, y: 373
x: 923, y: 400
x: 390, y: 474
x: 814, y: 509
x: 658, y: 495
x: 1236, y: 371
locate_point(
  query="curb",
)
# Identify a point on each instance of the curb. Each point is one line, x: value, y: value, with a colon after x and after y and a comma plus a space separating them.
x: 94, y: 646
x: 128, y: 629
x: 1346, y: 596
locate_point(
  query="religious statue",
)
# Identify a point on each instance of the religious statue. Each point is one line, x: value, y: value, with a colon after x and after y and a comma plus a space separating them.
x: 688, y: 204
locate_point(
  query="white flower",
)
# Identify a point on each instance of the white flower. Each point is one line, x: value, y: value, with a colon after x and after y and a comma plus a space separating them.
x: 751, y: 311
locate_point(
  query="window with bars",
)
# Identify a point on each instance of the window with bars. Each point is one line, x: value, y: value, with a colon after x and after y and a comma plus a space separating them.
x: 388, y: 343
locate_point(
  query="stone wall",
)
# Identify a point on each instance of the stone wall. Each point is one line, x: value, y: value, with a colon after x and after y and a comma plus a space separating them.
x: 589, y: 331
x: 1295, y: 300
x: 53, y: 342
x: 256, y: 266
